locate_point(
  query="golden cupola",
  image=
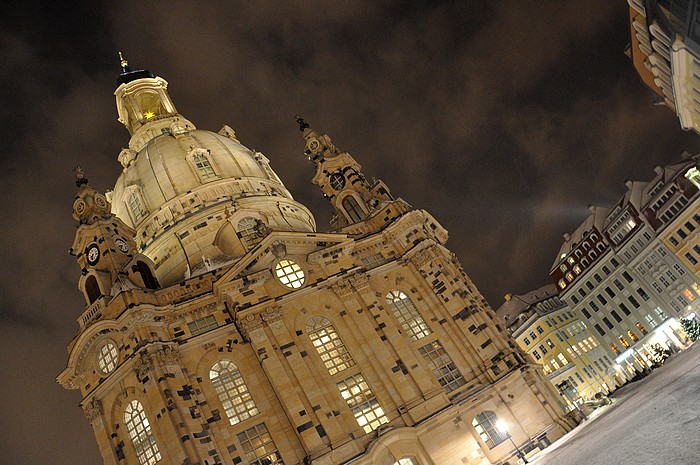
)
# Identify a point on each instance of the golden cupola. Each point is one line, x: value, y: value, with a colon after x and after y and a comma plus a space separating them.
x: 197, y: 199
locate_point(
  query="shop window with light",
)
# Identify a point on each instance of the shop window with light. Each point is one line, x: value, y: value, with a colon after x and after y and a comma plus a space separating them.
x: 614, y: 348
x: 407, y: 314
x: 290, y: 273
x: 139, y: 430
x: 232, y: 391
x: 623, y: 341
x: 641, y: 328
x: 485, y: 426
x: 352, y: 209
x: 258, y: 446
x: 362, y: 402
x: 330, y: 347
x: 442, y: 366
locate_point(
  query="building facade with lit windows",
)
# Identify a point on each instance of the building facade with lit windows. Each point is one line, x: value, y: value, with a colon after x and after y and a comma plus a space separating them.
x: 617, y: 272
x: 221, y: 327
x: 665, y: 51
x: 549, y: 331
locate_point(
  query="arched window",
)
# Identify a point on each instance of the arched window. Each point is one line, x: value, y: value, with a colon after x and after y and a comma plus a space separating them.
x: 247, y: 232
x: 353, y: 209
x: 148, y: 279
x: 92, y: 289
x: 139, y: 430
x: 485, y: 424
x: 407, y: 314
x: 203, y: 165
x: 233, y: 392
x: 328, y: 344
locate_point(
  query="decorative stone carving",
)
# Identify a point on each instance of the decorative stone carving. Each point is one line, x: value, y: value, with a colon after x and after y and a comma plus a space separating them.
x: 359, y: 280
x: 273, y: 317
x: 142, y: 365
x: 168, y: 356
x: 252, y: 327
x: 342, y: 289
x: 93, y: 412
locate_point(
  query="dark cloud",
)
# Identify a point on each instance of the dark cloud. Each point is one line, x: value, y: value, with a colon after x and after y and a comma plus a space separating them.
x: 502, y: 119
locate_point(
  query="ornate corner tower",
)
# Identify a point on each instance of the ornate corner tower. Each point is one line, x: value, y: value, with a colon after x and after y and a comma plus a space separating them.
x: 221, y: 328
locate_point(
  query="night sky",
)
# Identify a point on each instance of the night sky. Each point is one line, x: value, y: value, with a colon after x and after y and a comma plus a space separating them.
x: 505, y: 120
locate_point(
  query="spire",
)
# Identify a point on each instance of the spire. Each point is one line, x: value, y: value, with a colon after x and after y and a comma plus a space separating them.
x: 128, y: 75
x: 318, y: 147
x: 124, y: 64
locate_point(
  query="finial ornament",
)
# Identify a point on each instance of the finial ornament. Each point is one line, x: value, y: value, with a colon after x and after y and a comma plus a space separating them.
x: 80, y: 178
x: 124, y: 64
x: 302, y: 124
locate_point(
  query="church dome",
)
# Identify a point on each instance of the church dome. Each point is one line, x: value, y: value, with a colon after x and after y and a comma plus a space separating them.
x: 197, y: 199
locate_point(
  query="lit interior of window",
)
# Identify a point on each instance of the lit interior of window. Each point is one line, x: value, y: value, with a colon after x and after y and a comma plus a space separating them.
x: 368, y: 413
x: 107, y: 357
x: 407, y: 314
x: 233, y: 392
x: 259, y: 447
x: 290, y: 274
x: 139, y: 430
x: 328, y: 344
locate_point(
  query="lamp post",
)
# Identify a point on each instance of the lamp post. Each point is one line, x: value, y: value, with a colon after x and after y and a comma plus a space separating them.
x: 503, y: 428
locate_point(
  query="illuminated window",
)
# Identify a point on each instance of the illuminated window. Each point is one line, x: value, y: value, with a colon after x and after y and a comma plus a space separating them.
x: 247, y: 232
x: 614, y: 348
x: 328, y: 344
x: 140, y: 433
x: 569, y: 276
x: 623, y: 341
x: 233, y: 392
x: 562, y: 284
x: 563, y: 268
x: 136, y: 206
x: 357, y: 393
x: 554, y: 363
x: 203, y: 166
x: 352, y: 208
x: 577, y: 269
x: 641, y: 327
x: 107, y: 357
x: 693, y: 175
x: 442, y: 366
x: 632, y: 336
x: 652, y: 322
x: 661, y: 313
x: 290, y: 274
x: 407, y: 314
x: 485, y: 425
x: 407, y: 461
x: 571, y: 260
x: 258, y: 446
x: 562, y: 359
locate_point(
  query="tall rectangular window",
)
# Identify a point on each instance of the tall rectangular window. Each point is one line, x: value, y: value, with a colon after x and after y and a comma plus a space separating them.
x: 360, y: 398
x: 442, y: 366
x: 258, y: 446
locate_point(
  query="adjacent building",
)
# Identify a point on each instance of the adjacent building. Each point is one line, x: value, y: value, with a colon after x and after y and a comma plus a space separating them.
x: 618, y: 273
x: 220, y: 327
x: 552, y: 334
x: 665, y: 51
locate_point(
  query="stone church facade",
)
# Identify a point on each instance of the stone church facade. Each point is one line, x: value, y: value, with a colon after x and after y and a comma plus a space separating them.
x: 221, y: 328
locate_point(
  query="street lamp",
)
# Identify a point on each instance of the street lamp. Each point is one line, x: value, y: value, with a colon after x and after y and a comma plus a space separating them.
x: 503, y: 428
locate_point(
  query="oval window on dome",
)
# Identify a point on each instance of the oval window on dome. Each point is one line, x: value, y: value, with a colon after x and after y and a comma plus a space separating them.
x: 107, y: 357
x: 290, y: 273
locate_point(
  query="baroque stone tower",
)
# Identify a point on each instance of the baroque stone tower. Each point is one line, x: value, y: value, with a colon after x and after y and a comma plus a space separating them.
x: 221, y: 328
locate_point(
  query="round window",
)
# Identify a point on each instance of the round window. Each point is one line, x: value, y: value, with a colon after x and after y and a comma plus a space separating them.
x: 290, y: 273
x: 107, y: 357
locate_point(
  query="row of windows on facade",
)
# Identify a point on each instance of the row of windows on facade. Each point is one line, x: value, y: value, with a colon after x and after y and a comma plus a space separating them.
x: 684, y: 231
x: 570, y: 276
x: 239, y: 405
x: 562, y: 317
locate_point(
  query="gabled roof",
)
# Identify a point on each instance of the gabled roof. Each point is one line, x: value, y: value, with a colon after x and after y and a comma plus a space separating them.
x: 595, y: 221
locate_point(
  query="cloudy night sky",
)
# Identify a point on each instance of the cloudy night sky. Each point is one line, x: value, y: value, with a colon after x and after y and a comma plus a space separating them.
x: 505, y: 120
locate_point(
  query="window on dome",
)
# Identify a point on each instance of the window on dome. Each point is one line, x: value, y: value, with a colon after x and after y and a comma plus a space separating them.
x: 353, y: 209
x: 233, y: 392
x: 203, y: 165
x: 138, y: 212
x: 150, y: 105
x: 405, y: 461
x: 248, y: 232
x: 140, y: 433
x: 328, y: 344
x: 290, y: 274
x: 411, y: 321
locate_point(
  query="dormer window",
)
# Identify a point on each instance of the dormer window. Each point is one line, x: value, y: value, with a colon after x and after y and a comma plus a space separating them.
x: 200, y: 160
x: 693, y: 175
